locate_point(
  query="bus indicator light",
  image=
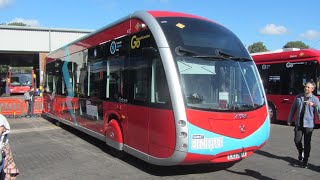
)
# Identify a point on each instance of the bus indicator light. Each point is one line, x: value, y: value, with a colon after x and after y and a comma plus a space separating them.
x: 182, y: 123
x: 183, y: 146
x: 183, y: 135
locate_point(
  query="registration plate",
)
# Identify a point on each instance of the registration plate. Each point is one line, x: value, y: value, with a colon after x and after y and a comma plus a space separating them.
x: 237, y: 156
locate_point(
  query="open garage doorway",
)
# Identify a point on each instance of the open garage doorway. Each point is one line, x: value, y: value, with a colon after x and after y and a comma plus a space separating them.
x: 18, y: 59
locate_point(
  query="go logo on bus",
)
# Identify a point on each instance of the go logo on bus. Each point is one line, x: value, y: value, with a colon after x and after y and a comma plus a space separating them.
x: 290, y: 65
x: 135, y: 41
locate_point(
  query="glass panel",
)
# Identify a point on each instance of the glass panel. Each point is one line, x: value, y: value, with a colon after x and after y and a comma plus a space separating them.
x: 301, y: 73
x: 201, y: 36
x: 287, y: 78
x: 21, y: 79
x: 160, y: 91
x: 220, y: 84
x: 98, y: 72
x: 49, y: 82
x: 115, y: 79
x: 318, y: 80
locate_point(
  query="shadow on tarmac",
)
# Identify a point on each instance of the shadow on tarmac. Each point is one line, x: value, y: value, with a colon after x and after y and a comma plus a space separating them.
x: 292, y: 162
x: 142, y: 165
x: 251, y: 173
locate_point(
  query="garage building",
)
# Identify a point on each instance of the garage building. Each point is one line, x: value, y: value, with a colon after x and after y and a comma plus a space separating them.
x: 22, y: 46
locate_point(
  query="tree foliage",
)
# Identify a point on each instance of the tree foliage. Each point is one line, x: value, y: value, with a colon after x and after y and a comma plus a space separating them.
x: 4, y: 69
x: 257, y: 47
x: 296, y: 44
x: 17, y: 24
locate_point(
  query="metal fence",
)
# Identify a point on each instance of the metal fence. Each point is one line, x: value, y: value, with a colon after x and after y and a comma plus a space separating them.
x: 17, y: 107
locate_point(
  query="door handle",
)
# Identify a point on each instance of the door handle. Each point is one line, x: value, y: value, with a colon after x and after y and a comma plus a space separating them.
x: 285, y: 100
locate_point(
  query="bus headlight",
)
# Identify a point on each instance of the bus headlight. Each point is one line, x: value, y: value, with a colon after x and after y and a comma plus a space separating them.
x: 182, y: 123
x: 183, y: 146
x: 183, y: 135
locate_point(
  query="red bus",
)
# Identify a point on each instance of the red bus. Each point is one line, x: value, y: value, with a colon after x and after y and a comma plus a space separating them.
x: 20, y: 79
x: 167, y: 87
x: 284, y: 73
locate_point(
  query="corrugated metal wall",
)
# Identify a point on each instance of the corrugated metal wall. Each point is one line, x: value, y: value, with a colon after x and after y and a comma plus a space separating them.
x: 36, y: 40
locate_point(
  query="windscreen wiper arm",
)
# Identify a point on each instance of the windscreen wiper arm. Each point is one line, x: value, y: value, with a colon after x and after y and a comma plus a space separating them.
x: 232, y: 57
x: 210, y: 56
x: 183, y: 51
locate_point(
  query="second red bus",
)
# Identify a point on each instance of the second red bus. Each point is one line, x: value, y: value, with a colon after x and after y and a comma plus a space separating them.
x: 284, y: 74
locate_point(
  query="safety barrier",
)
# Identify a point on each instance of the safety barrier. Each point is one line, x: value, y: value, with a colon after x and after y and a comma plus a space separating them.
x: 17, y: 107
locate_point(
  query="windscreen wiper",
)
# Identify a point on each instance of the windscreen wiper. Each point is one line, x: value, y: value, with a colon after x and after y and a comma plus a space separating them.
x: 183, y: 51
x: 240, y: 59
x: 210, y: 56
x: 232, y: 57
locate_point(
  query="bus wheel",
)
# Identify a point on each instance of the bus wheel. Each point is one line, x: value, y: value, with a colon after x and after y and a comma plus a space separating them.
x: 114, y: 138
x: 272, y: 113
x: 57, y: 123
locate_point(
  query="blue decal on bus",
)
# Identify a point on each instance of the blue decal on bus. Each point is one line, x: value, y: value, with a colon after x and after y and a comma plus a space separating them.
x: 205, y: 142
x: 66, y: 76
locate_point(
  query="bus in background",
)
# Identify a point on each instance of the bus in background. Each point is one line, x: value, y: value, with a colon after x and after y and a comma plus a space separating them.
x: 167, y: 87
x: 284, y: 73
x: 19, y: 80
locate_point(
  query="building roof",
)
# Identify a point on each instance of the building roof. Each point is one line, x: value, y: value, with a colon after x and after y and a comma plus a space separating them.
x: 36, y: 39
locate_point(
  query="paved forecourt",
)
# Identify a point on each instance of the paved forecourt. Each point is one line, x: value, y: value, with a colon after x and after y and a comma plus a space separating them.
x: 43, y: 150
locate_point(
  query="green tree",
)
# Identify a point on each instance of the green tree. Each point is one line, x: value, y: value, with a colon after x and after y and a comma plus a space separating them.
x: 257, y: 47
x: 296, y: 44
x: 17, y: 24
x: 4, y: 69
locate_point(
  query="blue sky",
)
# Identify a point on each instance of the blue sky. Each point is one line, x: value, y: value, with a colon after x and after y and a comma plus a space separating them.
x: 273, y: 22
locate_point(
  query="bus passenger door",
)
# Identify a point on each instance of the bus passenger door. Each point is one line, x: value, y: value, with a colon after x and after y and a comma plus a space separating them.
x: 138, y: 110
x: 138, y: 127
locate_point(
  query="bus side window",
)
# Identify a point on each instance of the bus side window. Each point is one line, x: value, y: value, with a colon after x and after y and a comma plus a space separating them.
x: 114, y: 80
x: 140, y: 84
x: 159, y: 91
x: 114, y: 84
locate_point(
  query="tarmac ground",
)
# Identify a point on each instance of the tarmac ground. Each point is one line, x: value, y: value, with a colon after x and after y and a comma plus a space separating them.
x: 45, y: 151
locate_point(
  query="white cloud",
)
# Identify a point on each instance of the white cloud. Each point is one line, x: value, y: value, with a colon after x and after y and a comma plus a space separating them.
x: 29, y: 22
x: 272, y: 29
x: 4, y: 3
x: 310, y: 35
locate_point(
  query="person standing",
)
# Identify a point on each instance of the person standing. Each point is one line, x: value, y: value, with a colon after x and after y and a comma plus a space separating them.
x: 9, y: 170
x: 305, y: 106
x: 31, y: 103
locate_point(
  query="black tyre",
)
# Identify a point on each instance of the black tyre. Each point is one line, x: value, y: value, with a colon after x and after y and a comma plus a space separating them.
x: 57, y: 123
x: 272, y: 112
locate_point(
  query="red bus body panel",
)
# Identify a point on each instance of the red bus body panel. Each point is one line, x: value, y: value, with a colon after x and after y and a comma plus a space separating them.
x: 227, y: 124
x: 149, y: 130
